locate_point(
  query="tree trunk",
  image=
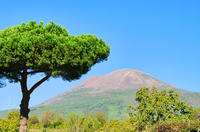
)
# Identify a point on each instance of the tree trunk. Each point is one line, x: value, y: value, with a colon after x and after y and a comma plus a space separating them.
x: 24, y: 110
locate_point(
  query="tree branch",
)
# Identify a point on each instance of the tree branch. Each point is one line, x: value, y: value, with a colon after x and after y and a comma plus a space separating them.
x: 33, y: 72
x: 38, y: 84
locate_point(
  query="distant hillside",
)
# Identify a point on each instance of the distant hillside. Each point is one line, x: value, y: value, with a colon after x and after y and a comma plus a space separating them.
x: 111, y: 94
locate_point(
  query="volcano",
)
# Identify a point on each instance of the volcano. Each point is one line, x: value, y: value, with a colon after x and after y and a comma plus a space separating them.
x: 111, y: 94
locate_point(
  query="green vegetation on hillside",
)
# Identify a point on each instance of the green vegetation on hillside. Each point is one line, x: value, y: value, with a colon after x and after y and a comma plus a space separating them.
x: 113, y: 103
x: 155, y: 111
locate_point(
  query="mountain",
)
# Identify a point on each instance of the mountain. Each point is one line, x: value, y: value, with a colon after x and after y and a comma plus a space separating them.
x: 111, y: 93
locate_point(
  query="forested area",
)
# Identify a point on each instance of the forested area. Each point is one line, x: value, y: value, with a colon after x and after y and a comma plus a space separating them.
x: 157, y: 110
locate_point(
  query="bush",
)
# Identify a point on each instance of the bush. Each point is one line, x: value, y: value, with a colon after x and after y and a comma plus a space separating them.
x: 156, y: 106
x: 49, y: 119
x: 196, y: 114
x: 11, y: 123
x: 179, y: 126
x: 88, y: 123
x: 91, y: 123
x: 33, y: 122
x: 117, y: 126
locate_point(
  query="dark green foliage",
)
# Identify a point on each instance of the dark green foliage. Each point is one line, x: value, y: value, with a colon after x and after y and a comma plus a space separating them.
x: 48, y: 49
x: 155, y: 106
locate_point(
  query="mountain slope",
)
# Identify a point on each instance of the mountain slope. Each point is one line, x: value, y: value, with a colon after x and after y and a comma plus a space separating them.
x: 111, y: 94
x: 125, y: 79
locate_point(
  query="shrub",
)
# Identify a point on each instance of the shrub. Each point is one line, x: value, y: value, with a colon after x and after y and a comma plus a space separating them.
x: 179, y: 126
x: 33, y: 122
x: 117, y: 126
x: 156, y: 106
x: 11, y: 123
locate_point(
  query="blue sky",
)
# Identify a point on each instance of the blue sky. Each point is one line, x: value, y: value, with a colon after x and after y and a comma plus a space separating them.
x: 158, y: 37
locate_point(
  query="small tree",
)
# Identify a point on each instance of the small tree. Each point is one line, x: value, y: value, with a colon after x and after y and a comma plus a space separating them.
x: 92, y: 122
x: 117, y: 126
x: 33, y: 121
x: 28, y: 49
x: 74, y: 122
x: 155, y: 106
x: 47, y: 117
x: 11, y: 123
x: 101, y: 117
x: 196, y: 114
